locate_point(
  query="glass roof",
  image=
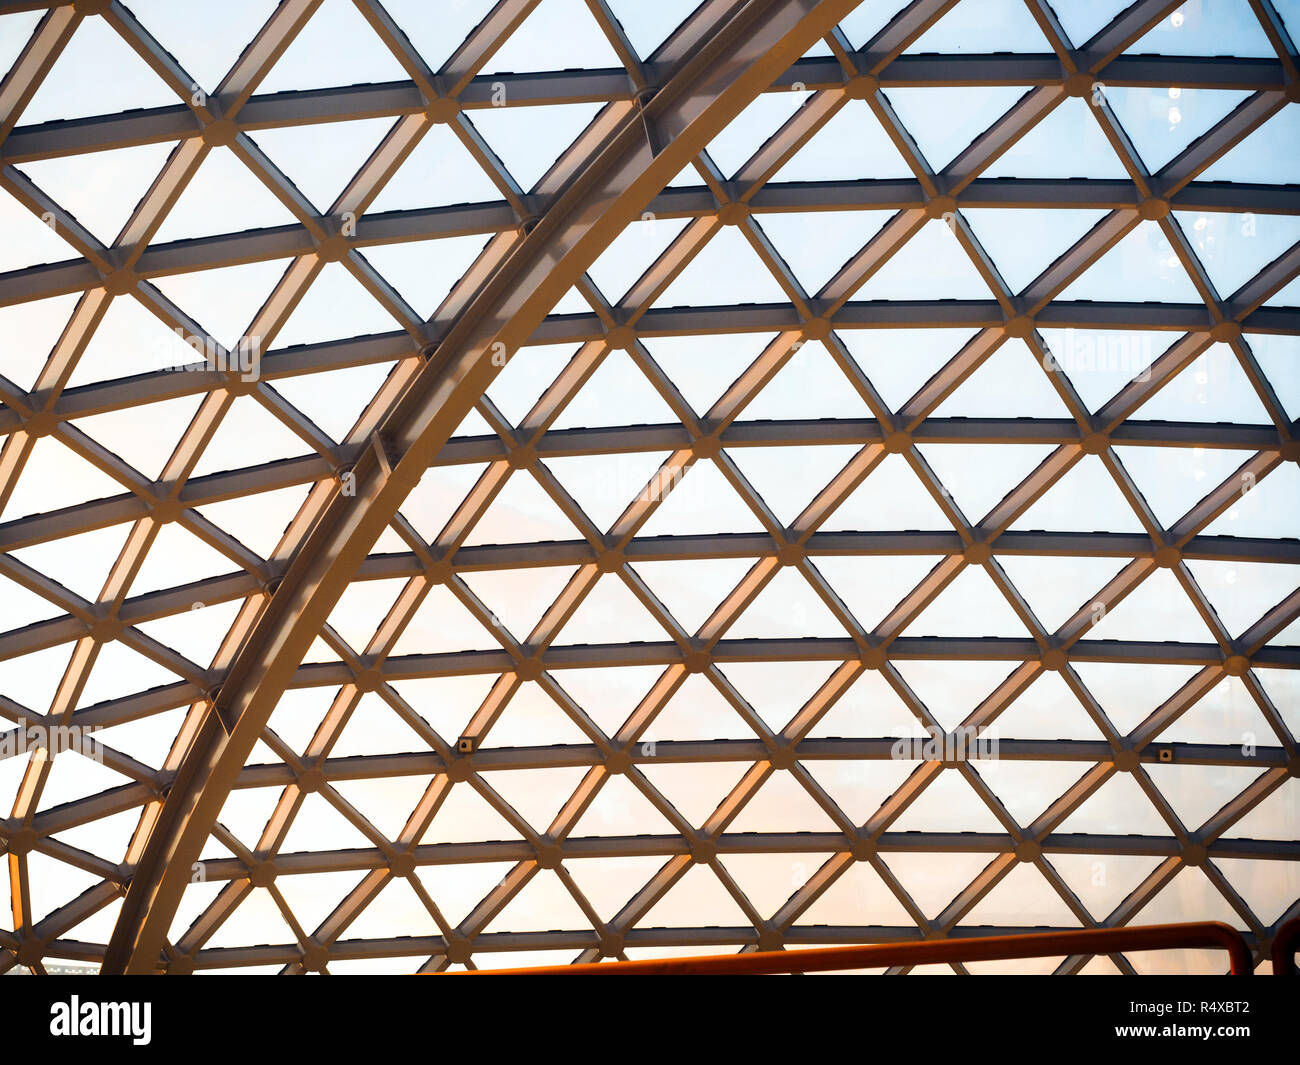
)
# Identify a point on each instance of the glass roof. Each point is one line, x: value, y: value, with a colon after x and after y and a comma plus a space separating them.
x: 952, y: 385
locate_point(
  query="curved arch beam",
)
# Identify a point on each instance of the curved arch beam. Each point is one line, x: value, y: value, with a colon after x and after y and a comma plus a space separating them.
x: 732, y: 51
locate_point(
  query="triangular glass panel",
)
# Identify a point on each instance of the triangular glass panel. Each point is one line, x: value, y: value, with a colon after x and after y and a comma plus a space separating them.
x: 1102, y: 881
x: 1118, y: 807
x: 543, y: 903
x: 118, y: 670
x: 726, y: 270
x: 1226, y: 715
x: 1209, y: 27
x: 533, y: 719
x: 537, y: 795
x: 702, y: 367
x: 1243, y: 592
x: 947, y: 804
x: 1173, y: 480
x: 247, y: 429
x: 1276, y: 817
x: 223, y: 196
x: 872, y: 585
x: 605, y: 485
x: 96, y: 73
x: 787, y: 607
x: 206, y: 41
x: 527, y: 374
x: 1100, y: 362
x: 438, y: 172
x: 521, y: 512
x: 224, y: 301
x: 1027, y: 788
x: 692, y: 589
x: 617, y: 393
x: 694, y: 789
x: 1001, y: 232
x: 698, y: 899
x: 971, y: 605
x: 745, y: 134
x: 321, y: 167
x: 1130, y: 692
x: 1158, y: 609
x: 858, y: 897
x: 611, y: 614
x: 519, y: 597
x: 619, y: 809
x: 446, y: 703
x: 900, y: 361
x: 1265, y: 507
x: 859, y: 788
x: 529, y: 139
x: 632, y: 253
x: 334, y: 400
x: 557, y: 34
x: 815, y: 245
x: 1046, y: 710
x: 55, y: 477
x: 789, y: 478
x: 850, y: 146
x: 1162, y: 122
x: 143, y: 436
x: 425, y: 271
x: 258, y: 521
x: 30, y: 240
x: 610, y: 693
x: 443, y: 623
x: 1056, y: 587
x: 809, y: 385
x: 1233, y: 248
x: 777, y: 690
x: 697, y: 711
x: 131, y: 341
x: 891, y: 498
x: 80, y: 562
x: 950, y: 690
x: 196, y: 633
x: 1022, y: 897
x: 178, y: 557
x: 336, y: 47
x: 781, y: 804
x: 979, y: 476
x: 703, y: 501
x: 1269, y: 155
x: 1214, y: 388
x: 975, y: 26
x: 1197, y: 792
x: 649, y: 25
x: 932, y: 265
x: 1085, y: 495
x: 934, y: 880
x: 31, y: 331
x: 945, y: 120
x: 437, y: 30
x: 336, y: 306
x: 1066, y: 142
x: 1142, y: 267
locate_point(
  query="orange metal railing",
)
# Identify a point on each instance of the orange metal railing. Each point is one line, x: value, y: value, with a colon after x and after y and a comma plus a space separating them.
x: 1285, y: 943
x: 885, y: 955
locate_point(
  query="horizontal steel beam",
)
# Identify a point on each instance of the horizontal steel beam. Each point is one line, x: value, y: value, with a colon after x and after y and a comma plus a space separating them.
x: 392, y: 99
x: 579, y: 848
x: 805, y: 649
x: 385, y: 228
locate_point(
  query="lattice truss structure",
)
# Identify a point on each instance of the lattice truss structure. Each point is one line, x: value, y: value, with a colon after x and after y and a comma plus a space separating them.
x: 602, y: 648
